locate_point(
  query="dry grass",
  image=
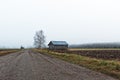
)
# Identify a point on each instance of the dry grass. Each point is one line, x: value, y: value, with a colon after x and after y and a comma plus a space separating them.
x: 76, y: 49
x: 4, y: 52
x: 109, y: 67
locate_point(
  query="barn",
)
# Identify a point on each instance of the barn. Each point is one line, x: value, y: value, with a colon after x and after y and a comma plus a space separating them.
x: 58, y: 45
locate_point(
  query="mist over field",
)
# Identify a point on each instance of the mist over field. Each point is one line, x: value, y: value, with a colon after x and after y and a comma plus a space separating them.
x: 74, y: 21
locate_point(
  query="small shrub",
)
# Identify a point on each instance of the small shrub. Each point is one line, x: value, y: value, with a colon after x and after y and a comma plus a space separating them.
x: 103, y: 63
x: 117, y: 67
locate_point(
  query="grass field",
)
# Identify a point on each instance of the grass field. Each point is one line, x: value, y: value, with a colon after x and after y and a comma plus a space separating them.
x: 99, y: 53
x: 109, y: 67
x: 7, y: 51
x: 76, y: 49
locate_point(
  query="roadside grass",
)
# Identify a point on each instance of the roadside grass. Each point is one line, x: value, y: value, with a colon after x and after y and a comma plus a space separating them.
x: 109, y: 67
x: 5, y: 52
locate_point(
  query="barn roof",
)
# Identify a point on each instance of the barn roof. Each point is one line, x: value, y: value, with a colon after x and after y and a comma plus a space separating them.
x: 58, y: 43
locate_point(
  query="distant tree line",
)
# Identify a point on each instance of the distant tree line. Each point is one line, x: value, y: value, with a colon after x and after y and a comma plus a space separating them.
x: 97, y: 45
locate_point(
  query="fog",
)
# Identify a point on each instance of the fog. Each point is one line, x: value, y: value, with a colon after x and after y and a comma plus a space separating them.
x: 75, y: 21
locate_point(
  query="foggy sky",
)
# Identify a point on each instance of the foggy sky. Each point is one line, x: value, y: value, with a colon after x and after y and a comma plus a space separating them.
x: 75, y: 21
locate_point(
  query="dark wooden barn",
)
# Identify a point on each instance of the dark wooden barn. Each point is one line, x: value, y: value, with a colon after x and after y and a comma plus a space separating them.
x: 58, y: 45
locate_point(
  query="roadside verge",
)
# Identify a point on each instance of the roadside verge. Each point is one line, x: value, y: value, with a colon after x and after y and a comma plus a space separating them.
x: 109, y: 67
x: 5, y: 52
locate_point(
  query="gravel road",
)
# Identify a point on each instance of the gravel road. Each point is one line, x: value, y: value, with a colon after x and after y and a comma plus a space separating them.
x: 28, y: 65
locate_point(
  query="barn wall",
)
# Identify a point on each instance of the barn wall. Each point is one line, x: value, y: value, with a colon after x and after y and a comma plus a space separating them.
x: 57, y: 47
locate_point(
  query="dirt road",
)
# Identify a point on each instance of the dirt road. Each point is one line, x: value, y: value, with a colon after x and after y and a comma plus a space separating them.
x: 28, y: 65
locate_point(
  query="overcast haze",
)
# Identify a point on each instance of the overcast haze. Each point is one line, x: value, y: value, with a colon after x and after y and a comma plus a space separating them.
x: 76, y: 21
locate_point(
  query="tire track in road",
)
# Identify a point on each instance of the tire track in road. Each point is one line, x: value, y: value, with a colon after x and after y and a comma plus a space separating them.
x: 16, y: 68
x: 9, y: 57
x: 7, y: 60
x: 34, y: 66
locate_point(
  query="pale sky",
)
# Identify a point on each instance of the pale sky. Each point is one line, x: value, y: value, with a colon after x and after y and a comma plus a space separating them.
x: 75, y: 21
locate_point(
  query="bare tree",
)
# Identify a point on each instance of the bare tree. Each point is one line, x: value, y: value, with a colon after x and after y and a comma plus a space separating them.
x: 39, y: 39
